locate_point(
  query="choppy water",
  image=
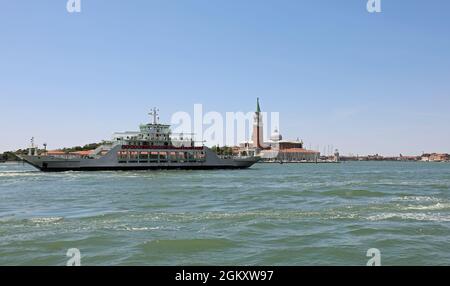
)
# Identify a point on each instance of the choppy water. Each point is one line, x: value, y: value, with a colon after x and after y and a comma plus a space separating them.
x: 268, y: 215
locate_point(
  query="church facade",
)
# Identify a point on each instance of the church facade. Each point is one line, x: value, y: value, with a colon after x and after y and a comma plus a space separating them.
x: 276, y: 149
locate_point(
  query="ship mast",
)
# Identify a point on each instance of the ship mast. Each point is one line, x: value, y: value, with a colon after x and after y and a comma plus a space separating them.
x: 154, y: 113
x: 33, y: 150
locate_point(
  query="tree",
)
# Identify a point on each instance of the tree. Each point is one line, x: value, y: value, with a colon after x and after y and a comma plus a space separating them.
x: 225, y: 150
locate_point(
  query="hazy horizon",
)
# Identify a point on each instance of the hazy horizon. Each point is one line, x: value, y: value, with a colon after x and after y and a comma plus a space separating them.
x: 338, y: 75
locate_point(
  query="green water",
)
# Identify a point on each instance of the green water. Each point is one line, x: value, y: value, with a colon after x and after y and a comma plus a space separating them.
x: 299, y: 214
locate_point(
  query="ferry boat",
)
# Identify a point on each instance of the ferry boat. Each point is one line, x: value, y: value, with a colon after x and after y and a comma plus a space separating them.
x: 152, y: 148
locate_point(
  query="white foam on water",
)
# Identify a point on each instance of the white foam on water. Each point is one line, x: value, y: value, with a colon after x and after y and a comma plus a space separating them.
x: 142, y: 228
x: 8, y: 174
x: 438, y: 206
x: 411, y: 216
x: 46, y: 219
x: 419, y: 199
x: 344, y: 216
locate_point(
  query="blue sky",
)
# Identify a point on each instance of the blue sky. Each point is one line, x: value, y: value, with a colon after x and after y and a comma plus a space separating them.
x: 364, y: 83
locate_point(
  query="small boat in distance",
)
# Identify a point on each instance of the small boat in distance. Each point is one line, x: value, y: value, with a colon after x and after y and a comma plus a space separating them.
x: 152, y: 148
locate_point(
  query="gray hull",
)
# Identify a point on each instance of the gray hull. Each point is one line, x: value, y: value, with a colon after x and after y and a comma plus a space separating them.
x: 110, y: 162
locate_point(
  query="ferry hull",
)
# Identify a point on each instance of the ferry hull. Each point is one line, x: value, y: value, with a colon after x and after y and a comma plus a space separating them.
x: 109, y: 163
x: 142, y: 168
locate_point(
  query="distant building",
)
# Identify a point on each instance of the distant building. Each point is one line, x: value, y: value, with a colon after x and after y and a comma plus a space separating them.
x: 435, y: 157
x: 407, y: 158
x: 276, y: 149
x: 337, y: 157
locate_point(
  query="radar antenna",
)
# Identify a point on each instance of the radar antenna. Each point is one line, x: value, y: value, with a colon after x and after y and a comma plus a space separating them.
x: 154, y: 113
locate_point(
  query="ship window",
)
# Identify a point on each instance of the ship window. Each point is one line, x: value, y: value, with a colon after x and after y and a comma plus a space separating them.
x: 173, y: 157
x: 154, y: 157
x: 191, y: 157
x: 200, y: 156
x: 181, y: 157
x: 133, y: 156
x: 163, y: 156
x: 195, y: 156
x: 143, y: 156
x: 122, y: 155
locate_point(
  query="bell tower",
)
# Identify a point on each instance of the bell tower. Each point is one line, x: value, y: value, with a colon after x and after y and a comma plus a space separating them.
x: 257, y: 135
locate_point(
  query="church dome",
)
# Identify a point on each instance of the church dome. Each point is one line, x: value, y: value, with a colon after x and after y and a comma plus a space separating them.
x: 276, y: 136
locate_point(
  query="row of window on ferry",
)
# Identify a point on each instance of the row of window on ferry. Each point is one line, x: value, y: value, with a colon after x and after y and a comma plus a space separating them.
x: 144, y: 156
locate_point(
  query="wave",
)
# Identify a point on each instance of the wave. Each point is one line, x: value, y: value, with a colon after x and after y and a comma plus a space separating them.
x: 353, y: 193
x: 187, y: 245
x: 438, y: 206
x: 45, y: 219
x: 134, y: 228
x: 419, y: 198
x: 410, y: 216
x: 7, y: 174
x: 248, y: 216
